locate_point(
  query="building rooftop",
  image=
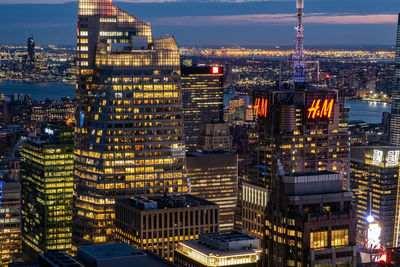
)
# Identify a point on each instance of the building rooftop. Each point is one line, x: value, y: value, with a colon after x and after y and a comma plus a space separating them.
x: 109, y: 251
x: 224, y: 243
x: 310, y: 183
x: 310, y: 173
x: 227, y: 237
x: 154, y: 202
x: 119, y: 254
x: 55, y: 258
x: 207, y: 153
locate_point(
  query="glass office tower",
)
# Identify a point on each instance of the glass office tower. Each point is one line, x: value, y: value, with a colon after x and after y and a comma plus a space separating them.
x: 129, y: 135
x: 395, y: 120
x: 47, y: 164
x: 203, y: 101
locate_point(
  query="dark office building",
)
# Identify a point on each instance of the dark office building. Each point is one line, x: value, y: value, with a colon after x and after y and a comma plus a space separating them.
x: 309, y: 222
x: 158, y: 222
x: 129, y: 137
x: 374, y: 178
x: 31, y: 49
x: 214, y: 177
x: 298, y: 131
x: 47, y: 190
x: 10, y: 220
x: 226, y: 248
x: 395, y: 118
x: 203, y: 100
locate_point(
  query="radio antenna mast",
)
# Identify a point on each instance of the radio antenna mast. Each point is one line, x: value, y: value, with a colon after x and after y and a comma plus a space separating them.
x: 299, y: 56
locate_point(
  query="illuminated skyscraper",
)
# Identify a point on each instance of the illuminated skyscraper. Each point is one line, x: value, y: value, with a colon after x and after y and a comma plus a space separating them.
x: 374, y: 173
x: 309, y: 222
x: 47, y: 191
x: 203, y: 101
x: 395, y: 119
x: 129, y: 135
x: 214, y: 177
x: 31, y: 49
x: 298, y: 131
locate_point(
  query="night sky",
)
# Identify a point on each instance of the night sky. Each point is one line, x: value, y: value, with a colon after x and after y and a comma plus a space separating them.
x: 327, y: 22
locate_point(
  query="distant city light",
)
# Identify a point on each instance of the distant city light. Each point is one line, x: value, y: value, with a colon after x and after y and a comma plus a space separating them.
x: 215, y: 69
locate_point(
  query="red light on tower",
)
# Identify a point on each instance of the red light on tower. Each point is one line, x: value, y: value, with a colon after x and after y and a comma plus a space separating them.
x: 327, y: 76
x: 215, y: 70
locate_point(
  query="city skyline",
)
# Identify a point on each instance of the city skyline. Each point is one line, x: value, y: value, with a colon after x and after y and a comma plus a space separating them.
x: 216, y: 22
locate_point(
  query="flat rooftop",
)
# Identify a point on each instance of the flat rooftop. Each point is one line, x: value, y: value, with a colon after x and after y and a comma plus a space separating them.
x: 310, y: 173
x: 207, y: 153
x: 155, y: 202
x: 224, y: 243
x: 229, y: 236
x: 118, y: 250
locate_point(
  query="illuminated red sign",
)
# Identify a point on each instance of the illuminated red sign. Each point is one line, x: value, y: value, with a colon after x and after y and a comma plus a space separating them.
x: 260, y: 107
x: 321, y: 109
x: 215, y: 70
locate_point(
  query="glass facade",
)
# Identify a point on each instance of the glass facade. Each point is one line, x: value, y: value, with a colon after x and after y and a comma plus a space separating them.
x: 395, y: 120
x: 47, y: 191
x: 203, y: 96
x: 214, y: 177
x: 129, y: 134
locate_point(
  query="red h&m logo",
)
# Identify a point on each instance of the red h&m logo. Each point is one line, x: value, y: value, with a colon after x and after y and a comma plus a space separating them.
x: 318, y: 111
x: 260, y: 107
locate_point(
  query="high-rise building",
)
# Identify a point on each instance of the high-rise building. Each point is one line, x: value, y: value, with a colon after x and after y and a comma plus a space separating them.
x: 10, y: 220
x: 157, y: 223
x: 309, y: 222
x: 216, y: 137
x: 395, y: 118
x: 31, y: 49
x: 253, y: 205
x: 298, y: 131
x: 374, y: 178
x: 47, y: 190
x: 214, y: 176
x: 203, y: 100
x: 226, y: 248
x: 129, y: 135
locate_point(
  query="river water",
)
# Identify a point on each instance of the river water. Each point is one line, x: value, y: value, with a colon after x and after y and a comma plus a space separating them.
x: 370, y: 112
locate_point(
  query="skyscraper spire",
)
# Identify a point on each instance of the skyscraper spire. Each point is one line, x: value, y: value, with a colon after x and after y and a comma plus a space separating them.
x: 299, y: 57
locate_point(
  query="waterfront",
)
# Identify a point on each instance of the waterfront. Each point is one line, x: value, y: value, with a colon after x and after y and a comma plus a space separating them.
x: 370, y: 112
x: 38, y: 91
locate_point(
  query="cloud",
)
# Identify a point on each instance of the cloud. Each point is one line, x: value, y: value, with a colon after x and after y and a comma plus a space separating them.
x: 314, y: 18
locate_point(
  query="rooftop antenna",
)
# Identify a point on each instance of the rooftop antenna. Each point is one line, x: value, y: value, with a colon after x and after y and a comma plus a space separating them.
x: 298, y: 61
x: 299, y: 56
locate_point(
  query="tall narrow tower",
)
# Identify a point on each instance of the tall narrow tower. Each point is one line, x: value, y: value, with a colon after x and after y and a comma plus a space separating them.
x: 31, y: 49
x: 395, y: 120
x: 299, y: 56
x: 129, y: 136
